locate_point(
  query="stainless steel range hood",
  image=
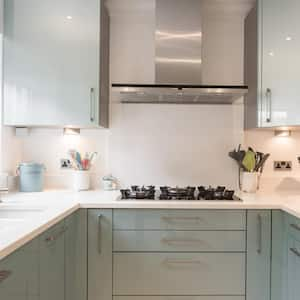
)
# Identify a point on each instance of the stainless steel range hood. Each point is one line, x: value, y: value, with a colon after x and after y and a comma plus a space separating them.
x: 178, y: 61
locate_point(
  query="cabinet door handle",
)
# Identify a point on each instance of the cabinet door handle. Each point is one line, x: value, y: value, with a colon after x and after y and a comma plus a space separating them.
x: 173, y: 262
x: 181, y: 242
x: 4, y: 274
x: 269, y: 105
x: 92, y: 104
x: 295, y: 251
x: 100, y: 234
x: 295, y: 226
x: 181, y: 219
x: 54, y: 237
x: 259, y: 234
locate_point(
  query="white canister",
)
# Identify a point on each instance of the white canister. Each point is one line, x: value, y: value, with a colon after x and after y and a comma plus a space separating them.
x: 250, y: 182
x: 81, y: 180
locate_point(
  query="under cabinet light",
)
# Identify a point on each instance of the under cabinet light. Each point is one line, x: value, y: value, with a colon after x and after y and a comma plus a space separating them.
x: 71, y: 131
x: 282, y: 133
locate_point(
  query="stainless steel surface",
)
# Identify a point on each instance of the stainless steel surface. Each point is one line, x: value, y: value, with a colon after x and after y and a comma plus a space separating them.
x: 295, y: 251
x: 259, y: 234
x: 181, y: 58
x: 269, y: 105
x: 178, y: 40
x: 179, y: 95
x: 54, y: 237
x: 99, y: 234
x: 4, y: 274
x: 295, y: 226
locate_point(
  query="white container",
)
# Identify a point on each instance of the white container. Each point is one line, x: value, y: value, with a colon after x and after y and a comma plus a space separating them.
x: 250, y: 182
x: 81, y: 180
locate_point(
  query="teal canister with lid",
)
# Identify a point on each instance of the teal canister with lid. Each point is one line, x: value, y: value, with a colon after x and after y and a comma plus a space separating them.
x: 31, y: 177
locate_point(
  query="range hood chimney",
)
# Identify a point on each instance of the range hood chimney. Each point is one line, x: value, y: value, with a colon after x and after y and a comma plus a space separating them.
x: 178, y: 61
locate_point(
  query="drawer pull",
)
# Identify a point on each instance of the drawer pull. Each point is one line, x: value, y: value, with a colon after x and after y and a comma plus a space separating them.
x: 181, y: 242
x: 54, y: 237
x: 4, y: 275
x: 295, y: 251
x: 295, y: 226
x: 181, y: 262
x: 182, y: 219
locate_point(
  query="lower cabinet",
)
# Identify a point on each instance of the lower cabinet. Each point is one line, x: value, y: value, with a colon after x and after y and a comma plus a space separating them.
x: 52, y: 266
x: 100, y: 254
x: 258, y: 254
x: 293, y: 279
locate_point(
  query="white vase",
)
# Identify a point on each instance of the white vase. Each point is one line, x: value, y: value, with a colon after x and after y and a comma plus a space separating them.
x: 81, y: 180
x: 250, y: 182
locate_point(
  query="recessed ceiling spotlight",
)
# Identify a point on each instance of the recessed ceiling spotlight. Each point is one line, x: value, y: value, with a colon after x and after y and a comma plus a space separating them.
x: 69, y: 17
x: 271, y: 53
x: 288, y: 38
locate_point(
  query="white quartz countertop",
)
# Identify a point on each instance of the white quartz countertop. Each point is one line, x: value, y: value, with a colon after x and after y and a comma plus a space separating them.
x: 50, y: 207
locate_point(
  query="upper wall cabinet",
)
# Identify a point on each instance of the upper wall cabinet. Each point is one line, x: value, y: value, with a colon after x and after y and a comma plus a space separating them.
x: 56, y: 63
x: 272, y: 64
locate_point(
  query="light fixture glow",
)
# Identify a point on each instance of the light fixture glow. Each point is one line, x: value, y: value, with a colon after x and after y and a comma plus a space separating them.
x: 288, y: 38
x: 69, y: 17
x: 282, y: 133
x: 271, y: 53
x: 71, y: 131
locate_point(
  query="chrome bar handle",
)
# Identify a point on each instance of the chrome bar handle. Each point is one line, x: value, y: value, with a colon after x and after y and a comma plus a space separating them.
x: 180, y: 219
x: 295, y: 226
x: 4, y: 274
x: 92, y: 104
x: 295, y: 251
x: 181, y: 242
x: 269, y: 105
x: 99, y: 234
x: 259, y: 234
x: 54, y: 237
x: 182, y: 262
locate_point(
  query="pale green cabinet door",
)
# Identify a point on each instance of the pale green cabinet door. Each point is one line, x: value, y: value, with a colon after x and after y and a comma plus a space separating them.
x: 76, y: 256
x: 51, y: 62
x: 280, y: 64
x: 52, y: 263
x: 293, y: 279
x: 19, y: 274
x: 100, y: 254
x: 258, y: 254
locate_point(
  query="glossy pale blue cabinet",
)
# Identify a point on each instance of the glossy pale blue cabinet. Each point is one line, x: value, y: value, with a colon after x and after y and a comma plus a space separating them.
x: 100, y: 259
x: 53, y: 62
x: 19, y: 274
x: 272, y: 65
x: 258, y: 254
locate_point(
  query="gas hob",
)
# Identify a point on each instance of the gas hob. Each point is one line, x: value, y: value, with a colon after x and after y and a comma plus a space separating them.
x: 188, y: 193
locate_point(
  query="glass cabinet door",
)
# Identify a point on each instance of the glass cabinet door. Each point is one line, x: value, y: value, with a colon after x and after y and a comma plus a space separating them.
x: 280, y: 82
x: 51, y: 62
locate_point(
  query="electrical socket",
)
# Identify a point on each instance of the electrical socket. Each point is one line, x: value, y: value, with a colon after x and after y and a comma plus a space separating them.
x: 65, y: 163
x: 282, y: 165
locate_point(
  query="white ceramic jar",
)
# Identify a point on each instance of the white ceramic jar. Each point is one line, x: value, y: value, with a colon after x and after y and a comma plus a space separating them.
x: 81, y: 180
x: 250, y: 182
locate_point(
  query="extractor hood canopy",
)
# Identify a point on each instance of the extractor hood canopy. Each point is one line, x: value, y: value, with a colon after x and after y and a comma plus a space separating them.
x: 179, y: 58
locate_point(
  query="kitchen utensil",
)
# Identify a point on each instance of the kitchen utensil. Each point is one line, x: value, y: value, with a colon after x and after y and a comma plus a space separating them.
x: 249, y: 160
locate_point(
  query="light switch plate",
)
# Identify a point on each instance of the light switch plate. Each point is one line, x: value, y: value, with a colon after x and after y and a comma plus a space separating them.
x: 282, y: 165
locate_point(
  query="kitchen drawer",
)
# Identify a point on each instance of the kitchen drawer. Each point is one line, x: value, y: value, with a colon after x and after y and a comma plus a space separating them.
x: 178, y: 298
x: 185, y: 241
x: 293, y: 226
x: 179, y: 274
x: 135, y: 219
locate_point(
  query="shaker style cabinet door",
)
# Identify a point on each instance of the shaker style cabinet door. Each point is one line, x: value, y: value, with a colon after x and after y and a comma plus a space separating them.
x: 293, y: 290
x: 100, y: 254
x: 51, y: 62
x: 258, y: 254
x: 280, y: 62
x: 52, y: 263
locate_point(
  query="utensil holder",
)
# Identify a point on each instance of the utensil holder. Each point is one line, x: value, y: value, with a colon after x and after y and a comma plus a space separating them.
x: 81, y: 180
x: 250, y: 182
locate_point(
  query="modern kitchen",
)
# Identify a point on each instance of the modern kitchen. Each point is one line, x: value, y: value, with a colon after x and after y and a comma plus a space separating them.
x: 150, y: 150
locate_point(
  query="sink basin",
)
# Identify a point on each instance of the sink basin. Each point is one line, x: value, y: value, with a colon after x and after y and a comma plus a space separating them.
x: 16, y: 212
